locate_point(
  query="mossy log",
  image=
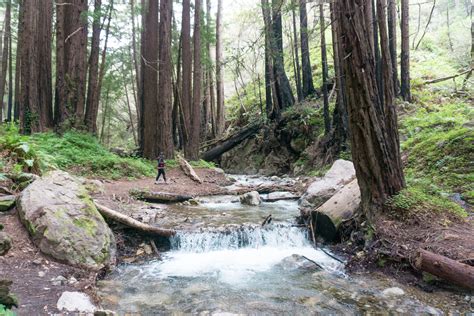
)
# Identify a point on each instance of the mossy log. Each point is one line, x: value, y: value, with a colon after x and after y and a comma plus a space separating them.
x: 445, y: 268
x: 188, y: 169
x: 133, y: 223
x: 159, y: 197
x: 327, y: 218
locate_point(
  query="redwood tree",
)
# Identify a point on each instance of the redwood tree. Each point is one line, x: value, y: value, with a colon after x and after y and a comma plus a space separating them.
x: 165, y: 105
x: 5, y: 55
x: 187, y: 62
x: 71, y: 61
x: 405, y: 53
x: 220, y: 109
x: 374, y: 134
x: 149, y: 80
x: 308, y: 87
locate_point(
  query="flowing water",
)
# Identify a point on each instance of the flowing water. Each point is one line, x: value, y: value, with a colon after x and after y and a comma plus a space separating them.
x: 246, y: 269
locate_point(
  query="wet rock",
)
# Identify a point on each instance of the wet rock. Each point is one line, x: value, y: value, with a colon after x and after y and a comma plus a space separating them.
x: 341, y: 173
x: 279, y: 196
x: 393, y: 291
x: 64, y: 222
x: 58, y: 281
x: 104, y: 313
x: 298, y: 262
x: 7, y: 203
x: 251, y: 198
x: 5, y: 243
x: 75, y: 302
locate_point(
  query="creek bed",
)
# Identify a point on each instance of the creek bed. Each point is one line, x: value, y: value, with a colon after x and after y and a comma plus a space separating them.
x: 229, y: 264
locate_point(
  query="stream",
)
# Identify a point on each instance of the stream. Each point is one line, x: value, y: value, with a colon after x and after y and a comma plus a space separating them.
x: 231, y: 265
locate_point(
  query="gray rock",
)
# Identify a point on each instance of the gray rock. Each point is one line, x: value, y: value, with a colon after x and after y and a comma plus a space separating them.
x: 59, y: 280
x: 278, y: 196
x: 75, y: 302
x: 5, y: 243
x: 341, y: 173
x: 393, y: 291
x: 41, y: 274
x: 251, y: 198
x: 64, y: 222
x: 7, y: 202
x: 297, y: 262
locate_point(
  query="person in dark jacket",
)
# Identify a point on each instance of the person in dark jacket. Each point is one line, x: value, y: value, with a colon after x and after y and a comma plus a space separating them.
x: 161, y: 168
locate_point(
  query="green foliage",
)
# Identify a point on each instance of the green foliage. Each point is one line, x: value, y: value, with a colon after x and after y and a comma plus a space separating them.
x: 5, y: 311
x: 416, y: 199
x: 77, y: 152
x: 440, y: 148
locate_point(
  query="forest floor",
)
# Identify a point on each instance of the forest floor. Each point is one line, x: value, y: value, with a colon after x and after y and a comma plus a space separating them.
x: 34, y: 275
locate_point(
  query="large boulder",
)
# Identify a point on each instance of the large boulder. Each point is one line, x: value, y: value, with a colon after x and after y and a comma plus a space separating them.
x: 251, y: 198
x: 64, y: 222
x: 328, y: 218
x: 341, y: 173
x: 75, y: 302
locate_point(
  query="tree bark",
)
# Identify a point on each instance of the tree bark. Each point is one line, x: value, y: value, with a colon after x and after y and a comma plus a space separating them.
x: 10, y: 80
x: 35, y: 81
x: 392, y: 35
x: 187, y: 64
x: 133, y: 223
x: 71, y: 59
x: 17, y: 108
x: 150, y: 80
x: 194, y: 137
x: 427, y: 25
x: 220, y: 115
x: 92, y: 86
x: 165, y: 88
x: 135, y: 59
x: 284, y: 93
x: 450, y: 270
x: 6, y: 49
x: 405, y: 89
x: 374, y: 136
x: 308, y: 86
x: 324, y: 64
x: 299, y: 88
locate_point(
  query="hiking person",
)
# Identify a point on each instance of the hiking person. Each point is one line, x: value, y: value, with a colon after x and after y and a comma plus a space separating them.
x: 161, y: 168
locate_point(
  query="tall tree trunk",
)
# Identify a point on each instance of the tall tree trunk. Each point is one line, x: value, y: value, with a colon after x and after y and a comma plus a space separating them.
x: 340, y: 123
x: 392, y: 35
x: 35, y: 58
x: 10, y: 79
x: 324, y: 64
x: 17, y: 107
x: 374, y: 135
x: 405, y: 89
x: 308, y: 86
x: 187, y: 65
x: 450, y: 42
x: 150, y: 80
x: 299, y: 88
x: 71, y: 62
x: 378, y: 59
x: 6, y: 49
x: 92, y: 86
x: 285, y: 95
x: 271, y: 94
x: 194, y: 138
x: 220, y: 107
x: 165, y: 88
x: 135, y: 59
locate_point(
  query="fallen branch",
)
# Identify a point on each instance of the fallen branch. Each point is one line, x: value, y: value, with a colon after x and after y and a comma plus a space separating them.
x: 267, y: 220
x: 445, y: 268
x: 446, y: 78
x: 133, y: 223
x: 188, y: 169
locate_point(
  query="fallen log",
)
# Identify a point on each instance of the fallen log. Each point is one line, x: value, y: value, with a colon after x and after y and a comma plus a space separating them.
x: 445, y: 268
x: 133, y: 223
x: 188, y: 169
x: 327, y: 218
x: 447, y: 78
x: 159, y: 197
x: 230, y: 143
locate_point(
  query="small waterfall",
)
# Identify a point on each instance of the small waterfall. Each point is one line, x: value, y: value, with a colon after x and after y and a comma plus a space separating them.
x: 279, y: 236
